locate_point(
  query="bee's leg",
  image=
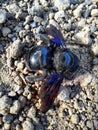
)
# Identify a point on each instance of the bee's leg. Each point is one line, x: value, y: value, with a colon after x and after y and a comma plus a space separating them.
x: 32, y: 78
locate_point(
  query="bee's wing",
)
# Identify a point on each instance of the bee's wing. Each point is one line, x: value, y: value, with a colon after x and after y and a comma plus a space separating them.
x: 49, y: 91
x: 55, y: 35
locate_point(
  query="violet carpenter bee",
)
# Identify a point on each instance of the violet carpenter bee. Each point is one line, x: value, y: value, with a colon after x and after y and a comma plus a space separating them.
x: 56, y: 59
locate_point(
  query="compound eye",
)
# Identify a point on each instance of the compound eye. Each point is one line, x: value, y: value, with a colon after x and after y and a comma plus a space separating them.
x: 67, y: 59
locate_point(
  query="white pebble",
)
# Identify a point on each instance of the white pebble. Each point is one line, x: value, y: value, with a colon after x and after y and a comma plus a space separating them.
x: 5, y: 103
x: 62, y: 4
x: 89, y: 124
x: 16, y: 107
x: 16, y: 88
x: 75, y: 119
x: 59, y: 14
x: 13, y: 8
x: 77, y: 12
x: 27, y: 125
x: 83, y: 37
x: 6, y: 126
x: 85, y: 80
x: 95, y: 49
x: 63, y: 94
x: 95, y: 123
x: 2, y: 16
x: 32, y: 113
x: 94, y: 12
x: 44, y: 3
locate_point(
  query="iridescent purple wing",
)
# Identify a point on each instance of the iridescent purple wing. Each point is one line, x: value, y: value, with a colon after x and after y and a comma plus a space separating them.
x: 55, y: 35
x: 49, y: 91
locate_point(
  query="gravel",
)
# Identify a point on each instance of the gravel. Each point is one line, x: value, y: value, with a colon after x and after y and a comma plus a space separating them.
x: 23, y: 24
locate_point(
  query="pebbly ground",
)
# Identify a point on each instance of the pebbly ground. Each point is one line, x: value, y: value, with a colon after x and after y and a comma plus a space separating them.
x: 22, y: 24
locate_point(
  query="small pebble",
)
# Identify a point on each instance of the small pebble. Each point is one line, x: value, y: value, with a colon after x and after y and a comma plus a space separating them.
x: 27, y: 27
x: 16, y: 88
x: 89, y: 124
x: 6, y: 31
x: 86, y: 80
x: 51, y: 15
x: 75, y: 119
x: 18, y: 80
x: 95, y: 49
x: 12, y: 93
x: 37, y: 19
x: 22, y: 33
x: 94, y: 12
x: 21, y: 118
x: 27, y: 90
x: 0, y: 120
x: 67, y: 26
x: 89, y: 94
x: 59, y: 14
x: 63, y: 94
x: 29, y: 97
x: 14, y: 9
x: 1, y: 48
x: 20, y: 66
x: 39, y: 29
x: 8, y: 118
x: 37, y: 9
x: 78, y: 104
x: 80, y: 38
x: 15, y: 108
x: 3, y: 16
x: 18, y: 127
x: 82, y: 23
x: 32, y: 113
x: 86, y: 13
x: 27, y: 19
x: 62, y: 4
x: 33, y: 25
x: 95, y: 1
x: 15, y: 49
x: 6, y: 103
x: 95, y: 123
x: 44, y: 3
x: 10, y: 62
x: 6, y: 126
x: 27, y: 125
x: 22, y: 100
x: 88, y: 2
x: 74, y: 1
x: 77, y: 12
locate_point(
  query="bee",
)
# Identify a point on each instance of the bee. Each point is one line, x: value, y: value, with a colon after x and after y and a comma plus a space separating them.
x: 58, y: 60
